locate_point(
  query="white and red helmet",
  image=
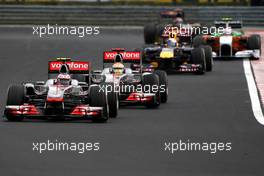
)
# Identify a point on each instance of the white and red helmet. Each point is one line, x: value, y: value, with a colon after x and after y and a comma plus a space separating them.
x: 63, y: 79
x: 118, y: 68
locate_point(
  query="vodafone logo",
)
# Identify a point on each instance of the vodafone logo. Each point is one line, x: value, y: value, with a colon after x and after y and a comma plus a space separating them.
x: 74, y: 66
x: 131, y: 55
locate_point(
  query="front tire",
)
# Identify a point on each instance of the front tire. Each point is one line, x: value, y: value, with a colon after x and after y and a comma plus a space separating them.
x: 15, y: 96
x: 163, y: 80
x: 254, y: 43
x: 152, y: 80
x: 113, y: 102
x: 98, y: 98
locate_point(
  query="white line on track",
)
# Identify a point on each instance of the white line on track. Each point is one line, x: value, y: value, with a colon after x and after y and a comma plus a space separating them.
x: 253, y: 92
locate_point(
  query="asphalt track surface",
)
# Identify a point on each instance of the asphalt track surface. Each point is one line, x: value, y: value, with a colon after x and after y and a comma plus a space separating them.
x: 214, y: 107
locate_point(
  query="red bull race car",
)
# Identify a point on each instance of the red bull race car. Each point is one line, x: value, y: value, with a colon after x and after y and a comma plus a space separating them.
x: 175, y: 54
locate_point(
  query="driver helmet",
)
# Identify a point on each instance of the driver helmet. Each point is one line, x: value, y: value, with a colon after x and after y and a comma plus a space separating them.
x: 177, y: 20
x: 64, y: 79
x: 227, y: 30
x: 171, y: 42
x: 118, y: 68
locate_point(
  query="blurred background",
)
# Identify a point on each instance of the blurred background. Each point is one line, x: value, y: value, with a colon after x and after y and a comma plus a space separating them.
x: 126, y: 12
x: 131, y: 2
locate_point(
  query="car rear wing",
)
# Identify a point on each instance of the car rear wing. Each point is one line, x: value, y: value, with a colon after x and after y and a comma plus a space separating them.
x: 172, y: 13
x: 234, y: 24
x: 127, y: 56
x: 132, y: 57
x: 73, y: 67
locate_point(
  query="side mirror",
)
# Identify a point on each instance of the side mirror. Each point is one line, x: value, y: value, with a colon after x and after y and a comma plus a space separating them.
x: 135, y: 71
x: 97, y: 71
x: 40, y: 83
x: 98, y: 78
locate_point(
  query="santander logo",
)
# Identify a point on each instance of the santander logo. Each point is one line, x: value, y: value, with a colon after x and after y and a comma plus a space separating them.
x: 129, y: 55
x: 74, y: 66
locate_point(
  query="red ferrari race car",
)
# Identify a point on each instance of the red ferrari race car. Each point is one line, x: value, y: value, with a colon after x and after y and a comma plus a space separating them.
x: 135, y: 85
x: 61, y: 96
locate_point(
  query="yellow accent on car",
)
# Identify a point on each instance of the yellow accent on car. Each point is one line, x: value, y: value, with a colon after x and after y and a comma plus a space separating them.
x: 155, y: 64
x: 166, y: 54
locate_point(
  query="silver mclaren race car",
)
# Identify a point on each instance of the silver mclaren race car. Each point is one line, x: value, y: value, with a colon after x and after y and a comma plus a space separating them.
x: 61, y: 96
x: 135, y: 85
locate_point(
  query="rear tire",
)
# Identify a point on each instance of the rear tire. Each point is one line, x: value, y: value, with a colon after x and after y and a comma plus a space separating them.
x: 159, y: 31
x: 152, y: 80
x: 163, y: 80
x: 149, y: 33
x: 15, y: 96
x: 79, y: 77
x: 99, y: 99
x: 198, y: 57
x: 208, y: 57
x: 254, y: 43
x: 198, y: 41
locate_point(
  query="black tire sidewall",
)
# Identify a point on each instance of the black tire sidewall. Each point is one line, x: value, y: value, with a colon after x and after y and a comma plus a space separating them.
x: 208, y: 57
x: 98, y: 98
x: 198, y: 41
x: 163, y: 80
x: 198, y: 57
x: 15, y: 96
x: 152, y: 79
x: 112, y: 98
x: 150, y: 33
x: 254, y: 42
